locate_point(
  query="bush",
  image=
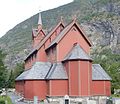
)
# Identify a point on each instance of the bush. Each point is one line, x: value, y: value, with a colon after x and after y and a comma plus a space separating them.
x: 2, y: 102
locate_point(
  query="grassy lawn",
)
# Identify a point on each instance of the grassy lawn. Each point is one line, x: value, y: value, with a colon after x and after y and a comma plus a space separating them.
x: 6, y: 98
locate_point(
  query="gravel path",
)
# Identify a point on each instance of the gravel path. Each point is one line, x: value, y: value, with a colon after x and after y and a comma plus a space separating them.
x: 15, y: 98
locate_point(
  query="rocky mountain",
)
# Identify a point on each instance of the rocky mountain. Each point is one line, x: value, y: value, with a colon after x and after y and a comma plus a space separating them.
x: 100, y: 19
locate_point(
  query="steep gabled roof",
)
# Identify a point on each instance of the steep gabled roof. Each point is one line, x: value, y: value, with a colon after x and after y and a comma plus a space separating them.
x: 38, y: 71
x: 77, y: 53
x: 57, y: 72
x: 47, y: 36
x: 64, y: 32
x: 98, y: 73
x: 45, y: 39
x: 35, y: 32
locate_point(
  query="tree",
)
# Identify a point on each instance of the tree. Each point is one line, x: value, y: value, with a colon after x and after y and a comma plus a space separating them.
x: 3, y: 70
x: 18, y: 69
x: 14, y: 74
x: 11, y: 81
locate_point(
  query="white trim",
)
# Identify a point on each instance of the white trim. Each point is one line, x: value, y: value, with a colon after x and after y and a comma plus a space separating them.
x: 79, y: 87
x: 88, y: 79
x: 57, y: 51
x: 69, y: 88
x: 50, y: 88
x: 104, y: 88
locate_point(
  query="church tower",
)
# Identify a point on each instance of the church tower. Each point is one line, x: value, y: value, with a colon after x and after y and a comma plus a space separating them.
x: 38, y: 34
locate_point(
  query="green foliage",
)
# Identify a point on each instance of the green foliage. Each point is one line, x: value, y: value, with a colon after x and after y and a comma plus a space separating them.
x: 13, y: 74
x: 18, y: 69
x: 116, y: 95
x: 111, y: 63
x: 3, y: 71
x: 5, y: 98
x: 11, y: 81
x: 2, y: 102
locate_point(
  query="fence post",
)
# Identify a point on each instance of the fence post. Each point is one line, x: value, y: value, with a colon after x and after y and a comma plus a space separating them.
x: 35, y: 100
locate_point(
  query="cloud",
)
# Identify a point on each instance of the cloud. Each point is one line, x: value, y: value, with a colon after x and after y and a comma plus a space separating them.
x: 13, y: 12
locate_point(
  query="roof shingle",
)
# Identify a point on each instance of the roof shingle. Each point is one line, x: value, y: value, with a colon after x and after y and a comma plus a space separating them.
x: 57, y: 72
x: 46, y: 70
x: 98, y: 73
x: 77, y: 53
x: 38, y: 71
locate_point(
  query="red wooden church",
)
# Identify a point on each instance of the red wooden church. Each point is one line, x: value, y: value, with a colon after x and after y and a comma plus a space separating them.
x: 60, y: 64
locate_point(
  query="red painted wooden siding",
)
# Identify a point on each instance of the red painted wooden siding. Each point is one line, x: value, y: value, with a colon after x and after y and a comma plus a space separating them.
x: 58, y: 87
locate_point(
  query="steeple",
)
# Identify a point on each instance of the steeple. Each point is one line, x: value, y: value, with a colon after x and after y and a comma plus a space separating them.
x: 39, y: 20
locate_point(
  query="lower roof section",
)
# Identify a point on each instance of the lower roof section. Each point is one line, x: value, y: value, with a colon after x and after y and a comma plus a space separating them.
x: 50, y: 71
x: 98, y: 73
x: 44, y: 70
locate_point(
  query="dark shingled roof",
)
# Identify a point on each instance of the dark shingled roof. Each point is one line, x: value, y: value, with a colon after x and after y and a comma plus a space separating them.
x: 38, y: 71
x: 23, y: 75
x: 77, y: 53
x: 98, y: 73
x: 44, y: 70
x: 57, y: 72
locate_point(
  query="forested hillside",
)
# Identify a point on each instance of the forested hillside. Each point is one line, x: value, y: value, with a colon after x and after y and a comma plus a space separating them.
x: 100, y: 19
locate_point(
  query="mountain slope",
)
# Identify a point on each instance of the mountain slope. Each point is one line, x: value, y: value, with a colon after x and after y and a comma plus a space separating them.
x: 100, y: 19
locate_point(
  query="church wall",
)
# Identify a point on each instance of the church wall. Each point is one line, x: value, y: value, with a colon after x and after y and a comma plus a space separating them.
x: 85, y: 78
x: 58, y: 87
x: 41, y: 54
x: 101, y: 87
x: 108, y: 88
x: 19, y: 86
x: 80, y: 77
x: 73, y: 78
x: 29, y: 90
x: 40, y: 89
x: 35, y: 88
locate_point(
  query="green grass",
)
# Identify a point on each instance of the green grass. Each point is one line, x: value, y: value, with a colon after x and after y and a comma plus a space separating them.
x: 6, y: 98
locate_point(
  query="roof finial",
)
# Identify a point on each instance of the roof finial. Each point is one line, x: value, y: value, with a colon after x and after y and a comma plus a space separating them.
x: 40, y: 18
x: 61, y: 18
x: 74, y: 17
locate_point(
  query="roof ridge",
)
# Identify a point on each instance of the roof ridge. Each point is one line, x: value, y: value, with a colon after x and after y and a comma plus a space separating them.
x: 52, y: 71
x: 48, y: 71
x: 66, y: 27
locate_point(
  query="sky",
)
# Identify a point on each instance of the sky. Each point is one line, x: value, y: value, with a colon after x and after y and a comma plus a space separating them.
x: 12, y: 12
